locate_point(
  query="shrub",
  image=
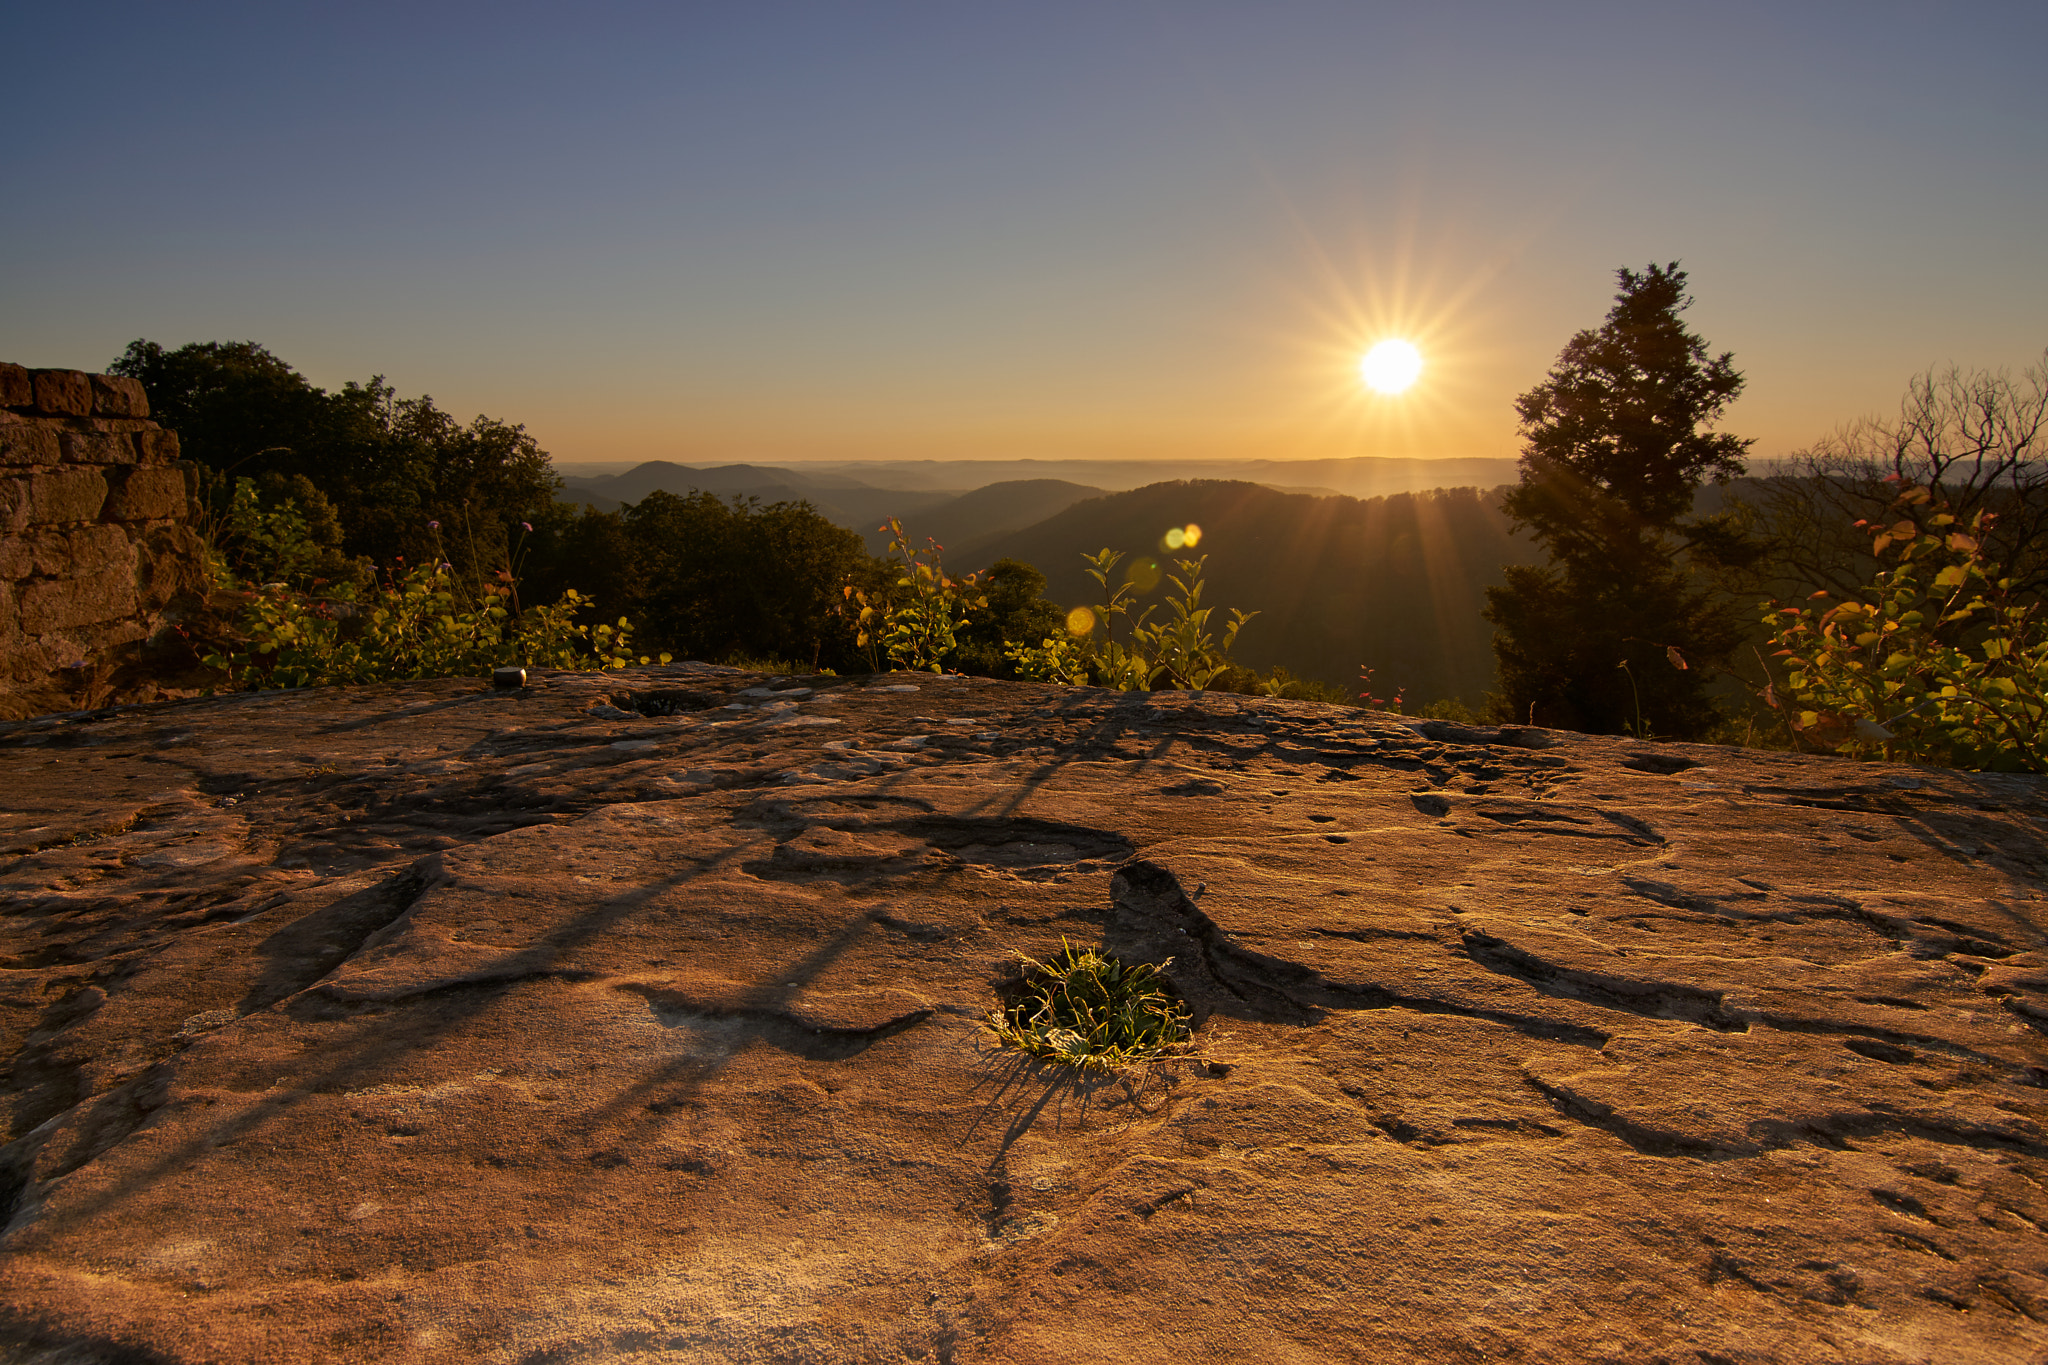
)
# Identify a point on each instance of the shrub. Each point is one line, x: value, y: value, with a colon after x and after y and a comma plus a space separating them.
x: 775, y: 666
x: 416, y: 622
x: 1055, y: 658
x: 1016, y: 609
x: 1183, y: 651
x: 1086, y: 1009
x: 1282, y: 684
x: 1377, y: 703
x: 277, y: 529
x: 408, y: 627
x: 1109, y: 663
x: 1179, y: 653
x: 916, y: 626
x: 1938, y: 659
x: 928, y: 621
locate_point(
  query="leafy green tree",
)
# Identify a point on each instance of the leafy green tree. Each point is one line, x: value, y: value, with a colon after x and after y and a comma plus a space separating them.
x: 481, y: 481
x: 718, y: 579
x: 1616, y: 632
x: 572, y: 546
x: 392, y: 468
x: 235, y: 406
x: 1016, y: 612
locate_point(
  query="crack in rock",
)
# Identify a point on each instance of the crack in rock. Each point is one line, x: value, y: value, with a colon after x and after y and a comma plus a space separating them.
x: 1152, y: 918
x: 1652, y: 999
x: 779, y: 1028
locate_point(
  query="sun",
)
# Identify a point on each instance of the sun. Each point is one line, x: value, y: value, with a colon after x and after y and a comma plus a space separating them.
x: 1391, y: 366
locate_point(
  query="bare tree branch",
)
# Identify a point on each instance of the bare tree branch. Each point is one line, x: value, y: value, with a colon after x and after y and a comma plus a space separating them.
x: 1978, y: 439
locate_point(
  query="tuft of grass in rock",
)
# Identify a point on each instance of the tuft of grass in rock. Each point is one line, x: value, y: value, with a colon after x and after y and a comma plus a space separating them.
x: 1086, y: 1009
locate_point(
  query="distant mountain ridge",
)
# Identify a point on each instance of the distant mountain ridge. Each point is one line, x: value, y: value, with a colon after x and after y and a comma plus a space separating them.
x: 965, y: 524
x: 860, y: 495
x: 837, y: 497
x: 1359, y: 476
x: 944, y: 515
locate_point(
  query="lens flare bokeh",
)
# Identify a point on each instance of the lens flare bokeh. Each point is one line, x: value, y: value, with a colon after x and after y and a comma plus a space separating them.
x: 1080, y: 622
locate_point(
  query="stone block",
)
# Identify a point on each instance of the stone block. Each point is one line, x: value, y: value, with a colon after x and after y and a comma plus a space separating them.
x: 110, y: 641
x: 25, y: 658
x: 10, y: 618
x: 91, y: 550
x: 124, y: 425
x: 169, y: 540
x: 115, y: 395
x: 98, y: 447
x: 21, y: 556
x: 65, y: 393
x: 66, y: 495
x: 146, y: 494
x: 16, y: 505
x: 28, y: 443
x: 16, y: 389
x: 157, y: 447
x: 48, y: 605
x: 169, y: 569
x: 61, y: 651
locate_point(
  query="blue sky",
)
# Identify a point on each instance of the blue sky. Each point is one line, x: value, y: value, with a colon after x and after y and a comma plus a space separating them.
x: 785, y: 231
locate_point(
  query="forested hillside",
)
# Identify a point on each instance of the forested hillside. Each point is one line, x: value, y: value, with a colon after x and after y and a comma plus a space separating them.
x: 839, y: 499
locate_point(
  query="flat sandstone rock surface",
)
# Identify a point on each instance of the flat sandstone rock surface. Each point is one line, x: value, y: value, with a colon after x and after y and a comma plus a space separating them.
x: 638, y: 1018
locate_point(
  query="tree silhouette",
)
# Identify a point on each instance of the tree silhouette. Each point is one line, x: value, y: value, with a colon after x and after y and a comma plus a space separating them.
x: 1613, y: 632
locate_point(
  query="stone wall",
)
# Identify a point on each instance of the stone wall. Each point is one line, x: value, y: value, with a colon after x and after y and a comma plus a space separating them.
x: 97, y: 549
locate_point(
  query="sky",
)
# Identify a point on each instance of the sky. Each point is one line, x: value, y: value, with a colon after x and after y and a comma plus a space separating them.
x: 773, y: 232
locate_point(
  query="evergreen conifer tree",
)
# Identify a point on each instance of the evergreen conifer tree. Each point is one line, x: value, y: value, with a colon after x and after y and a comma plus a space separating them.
x: 1616, y: 631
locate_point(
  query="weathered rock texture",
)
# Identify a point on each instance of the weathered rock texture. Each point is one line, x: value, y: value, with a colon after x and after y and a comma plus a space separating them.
x: 96, y: 542
x: 637, y: 1019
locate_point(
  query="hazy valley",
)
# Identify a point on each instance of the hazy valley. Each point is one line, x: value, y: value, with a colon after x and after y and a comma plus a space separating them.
x: 1379, y: 562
